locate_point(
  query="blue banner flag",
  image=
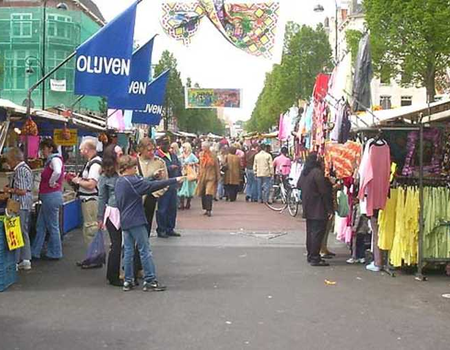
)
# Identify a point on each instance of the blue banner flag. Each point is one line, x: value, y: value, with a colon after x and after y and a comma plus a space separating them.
x: 103, y: 62
x: 156, y: 94
x: 140, y: 73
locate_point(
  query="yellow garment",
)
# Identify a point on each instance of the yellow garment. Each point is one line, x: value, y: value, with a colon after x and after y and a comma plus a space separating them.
x: 396, y: 252
x: 386, y: 222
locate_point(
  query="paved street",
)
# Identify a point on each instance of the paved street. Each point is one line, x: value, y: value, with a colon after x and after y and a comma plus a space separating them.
x: 238, y: 280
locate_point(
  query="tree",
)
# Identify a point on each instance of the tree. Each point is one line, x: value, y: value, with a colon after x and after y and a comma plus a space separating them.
x: 410, y: 40
x: 174, y: 101
x: 307, y: 52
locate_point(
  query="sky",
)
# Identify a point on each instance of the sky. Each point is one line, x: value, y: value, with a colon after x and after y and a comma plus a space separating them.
x: 211, y: 60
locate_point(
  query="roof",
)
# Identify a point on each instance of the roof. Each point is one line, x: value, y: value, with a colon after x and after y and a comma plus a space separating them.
x: 438, y: 111
x: 91, y: 6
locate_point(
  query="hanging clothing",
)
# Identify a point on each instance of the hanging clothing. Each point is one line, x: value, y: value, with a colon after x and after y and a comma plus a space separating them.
x: 375, y: 176
x: 321, y: 86
x: 363, y: 76
x: 343, y: 159
x: 386, y: 221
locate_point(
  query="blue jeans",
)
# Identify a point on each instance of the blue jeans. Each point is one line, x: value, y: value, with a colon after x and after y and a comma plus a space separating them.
x: 138, y: 236
x: 251, y: 190
x: 263, y: 188
x: 48, y: 220
x: 166, y: 216
x: 24, y: 253
x: 220, y: 189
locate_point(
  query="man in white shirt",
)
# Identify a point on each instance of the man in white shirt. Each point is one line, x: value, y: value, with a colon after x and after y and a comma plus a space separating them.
x: 263, y: 169
x: 88, y: 192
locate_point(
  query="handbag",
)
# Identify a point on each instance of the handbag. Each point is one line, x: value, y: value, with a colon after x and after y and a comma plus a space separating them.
x: 191, y: 174
x: 343, y: 209
x: 13, y: 232
x: 12, y: 206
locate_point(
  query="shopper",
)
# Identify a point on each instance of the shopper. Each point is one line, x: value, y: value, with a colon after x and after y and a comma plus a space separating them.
x: 251, y: 191
x: 50, y: 194
x: 129, y: 191
x: 87, y: 183
x: 283, y: 163
x: 263, y: 170
x: 232, y: 177
x: 317, y: 206
x: 149, y: 166
x: 166, y: 215
x: 222, y: 156
x: 108, y: 214
x: 208, y: 177
x: 187, y: 190
x: 20, y: 189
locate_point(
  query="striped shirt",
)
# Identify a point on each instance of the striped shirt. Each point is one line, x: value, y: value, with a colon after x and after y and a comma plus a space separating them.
x: 23, y: 180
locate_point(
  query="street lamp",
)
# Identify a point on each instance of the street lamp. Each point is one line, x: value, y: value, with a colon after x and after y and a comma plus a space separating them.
x: 29, y: 70
x: 320, y: 8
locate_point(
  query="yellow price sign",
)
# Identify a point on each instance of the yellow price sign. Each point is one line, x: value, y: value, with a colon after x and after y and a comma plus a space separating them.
x: 13, y: 233
x: 61, y: 138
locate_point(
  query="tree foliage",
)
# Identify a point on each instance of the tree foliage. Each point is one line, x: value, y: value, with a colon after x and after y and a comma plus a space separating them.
x: 410, y: 39
x: 307, y: 52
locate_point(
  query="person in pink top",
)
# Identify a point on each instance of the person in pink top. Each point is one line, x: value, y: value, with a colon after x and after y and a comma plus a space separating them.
x: 282, y: 163
x: 50, y: 194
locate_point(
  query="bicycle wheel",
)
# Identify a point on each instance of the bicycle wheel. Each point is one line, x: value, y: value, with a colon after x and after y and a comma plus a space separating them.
x: 293, y: 203
x: 277, y: 199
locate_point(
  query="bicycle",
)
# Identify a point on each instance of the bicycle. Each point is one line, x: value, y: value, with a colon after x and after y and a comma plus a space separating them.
x: 282, y: 196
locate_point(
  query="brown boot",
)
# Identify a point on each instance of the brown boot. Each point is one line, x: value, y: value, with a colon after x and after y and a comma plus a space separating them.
x: 188, y: 203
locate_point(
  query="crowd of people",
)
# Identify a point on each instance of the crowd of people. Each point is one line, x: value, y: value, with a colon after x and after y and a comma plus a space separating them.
x: 123, y: 194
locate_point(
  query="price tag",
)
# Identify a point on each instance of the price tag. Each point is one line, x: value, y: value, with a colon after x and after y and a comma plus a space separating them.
x: 13, y: 233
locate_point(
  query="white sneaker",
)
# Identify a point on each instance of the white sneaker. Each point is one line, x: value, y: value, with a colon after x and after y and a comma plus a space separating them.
x: 352, y: 261
x: 356, y: 261
x: 372, y: 267
x: 24, y: 265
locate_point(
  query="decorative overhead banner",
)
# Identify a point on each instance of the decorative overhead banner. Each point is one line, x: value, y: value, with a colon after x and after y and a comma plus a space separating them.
x: 213, y: 98
x: 103, y: 62
x: 140, y: 74
x: 249, y: 27
x: 156, y: 94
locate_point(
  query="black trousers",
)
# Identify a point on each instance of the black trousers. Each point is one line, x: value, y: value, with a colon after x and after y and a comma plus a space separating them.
x: 150, y: 207
x: 115, y: 253
x: 315, y: 231
x: 232, y: 192
x: 207, y: 202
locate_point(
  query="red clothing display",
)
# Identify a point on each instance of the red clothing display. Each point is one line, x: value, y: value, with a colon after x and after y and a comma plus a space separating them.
x: 321, y: 86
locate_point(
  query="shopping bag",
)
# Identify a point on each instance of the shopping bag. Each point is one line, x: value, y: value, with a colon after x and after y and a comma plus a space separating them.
x: 13, y: 232
x: 191, y: 174
x: 96, y: 254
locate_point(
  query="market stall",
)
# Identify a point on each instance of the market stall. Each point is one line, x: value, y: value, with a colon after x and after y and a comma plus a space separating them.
x: 67, y: 130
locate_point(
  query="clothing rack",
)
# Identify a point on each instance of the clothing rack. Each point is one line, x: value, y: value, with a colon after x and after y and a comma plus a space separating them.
x: 422, y: 261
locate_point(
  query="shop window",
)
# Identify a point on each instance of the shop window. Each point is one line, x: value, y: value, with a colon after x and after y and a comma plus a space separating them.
x: 21, y: 25
x: 406, y: 101
x: 385, y: 102
x: 59, y: 26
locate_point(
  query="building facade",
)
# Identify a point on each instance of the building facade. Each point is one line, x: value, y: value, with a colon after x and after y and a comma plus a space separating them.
x: 35, y: 36
x: 386, y: 93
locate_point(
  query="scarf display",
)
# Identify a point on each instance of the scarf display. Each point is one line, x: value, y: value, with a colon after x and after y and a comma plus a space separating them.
x: 249, y: 27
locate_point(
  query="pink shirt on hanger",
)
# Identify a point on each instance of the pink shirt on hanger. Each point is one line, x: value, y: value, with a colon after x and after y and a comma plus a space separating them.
x: 375, y: 178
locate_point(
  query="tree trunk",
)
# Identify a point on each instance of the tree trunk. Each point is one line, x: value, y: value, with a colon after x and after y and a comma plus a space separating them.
x: 431, y: 82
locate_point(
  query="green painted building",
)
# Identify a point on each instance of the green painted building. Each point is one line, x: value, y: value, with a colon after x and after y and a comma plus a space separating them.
x: 35, y: 36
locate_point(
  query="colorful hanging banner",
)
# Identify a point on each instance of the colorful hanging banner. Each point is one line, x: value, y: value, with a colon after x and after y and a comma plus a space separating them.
x: 103, y: 62
x: 213, y: 98
x: 156, y: 94
x: 250, y: 27
x: 140, y: 74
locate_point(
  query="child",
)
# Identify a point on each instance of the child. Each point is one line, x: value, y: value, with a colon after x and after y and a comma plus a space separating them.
x: 129, y: 191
